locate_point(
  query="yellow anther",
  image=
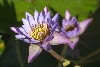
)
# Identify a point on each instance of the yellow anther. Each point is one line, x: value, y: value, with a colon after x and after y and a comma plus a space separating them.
x: 40, y: 31
x: 66, y: 63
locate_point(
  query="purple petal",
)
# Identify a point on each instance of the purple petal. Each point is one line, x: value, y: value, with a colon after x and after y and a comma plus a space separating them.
x: 20, y: 30
x: 14, y: 29
x: 29, y: 40
x: 24, y: 32
x: 55, y: 18
x: 74, y: 42
x: 34, y: 51
x: 36, y: 16
x: 45, y: 10
x: 19, y: 36
x: 54, y: 27
x: 73, y: 33
x: 46, y: 46
x: 74, y: 20
x: 26, y: 25
x: 64, y: 23
x: 30, y: 19
x: 26, y: 40
x: 67, y: 15
x: 48, y: 18
x: 41, y: 18
x: 29, y: 16
x: 48, y: 38
x: 59, y: 39
x: 84, y: 24
x: 63, y: 32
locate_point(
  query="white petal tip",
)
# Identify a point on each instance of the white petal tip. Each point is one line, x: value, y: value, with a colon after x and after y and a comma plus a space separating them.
x: 29, y: 60
x: 13, y: 29
x: 67, y: 15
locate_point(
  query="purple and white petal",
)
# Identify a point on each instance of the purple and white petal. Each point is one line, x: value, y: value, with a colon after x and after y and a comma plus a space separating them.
x: 84, y: 24
x: 59, y: 39
x: 19, y: 36
x: 26, y: 28
x: 41, y: 18
x: 15, y: 29
x: 45, y: 10
x: 36, y: 16
x: 48, y: 38
x: 54, y: 27
x: 24, y: 32
x: 48, y: 17
x: 55, y: 18
x: 64, y: 23
x: 29, y: 17
x: 67, y: 15
x: 34, y: 51
x: 26, y: 40
x: 74, y: 42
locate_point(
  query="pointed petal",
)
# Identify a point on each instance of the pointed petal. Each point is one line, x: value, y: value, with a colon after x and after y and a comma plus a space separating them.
x: 30, y: 19
x: 84, y: 24
x: 26, y: 25
x: 54, y: 27
x: 67, y: 15
x: 29, y: 16
x: 74, y: 42
x: 41, y: 18
x: 19, y: 36
x: 24, y: 32
x: 59, y: 39
x: 36, y: 16
x: 34, y: 51
x: 14, y: 29
x: 48, y: 17
x: 55, y: 18
x: 45, y: 10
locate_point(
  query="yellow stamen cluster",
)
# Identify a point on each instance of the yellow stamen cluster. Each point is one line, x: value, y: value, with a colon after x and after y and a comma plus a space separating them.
x: 70, y: 28
x: 40, y: 32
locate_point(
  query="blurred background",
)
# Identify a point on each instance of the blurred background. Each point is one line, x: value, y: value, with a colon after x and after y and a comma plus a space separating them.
x: 14, y: 53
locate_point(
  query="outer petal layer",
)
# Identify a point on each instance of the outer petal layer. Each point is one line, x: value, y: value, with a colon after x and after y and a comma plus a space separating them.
x: 74, y: 42
x: 59, y: 39
x: 34, y: 51
x: 84, y: 24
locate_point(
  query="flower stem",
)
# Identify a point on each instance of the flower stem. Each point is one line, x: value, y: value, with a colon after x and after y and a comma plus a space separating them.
x: 61, y: 59
x: 58, y: 57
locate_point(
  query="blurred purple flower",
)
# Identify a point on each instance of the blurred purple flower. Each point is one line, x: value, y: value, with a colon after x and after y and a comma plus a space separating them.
x: 37, y: 31
x: 71, y: 28
x: 70, y: 31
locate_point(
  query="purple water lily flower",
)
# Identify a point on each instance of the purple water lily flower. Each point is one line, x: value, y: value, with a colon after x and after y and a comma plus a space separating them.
x: 37, y: 31
x: 71, y: 28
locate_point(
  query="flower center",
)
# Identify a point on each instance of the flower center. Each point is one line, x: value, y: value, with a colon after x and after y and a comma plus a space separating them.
x: 70, y: 28
x: 40, y: 32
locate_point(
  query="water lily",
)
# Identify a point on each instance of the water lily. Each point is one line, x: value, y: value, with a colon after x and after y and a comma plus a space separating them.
x: 37, y: 31
x: 72, y: 29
